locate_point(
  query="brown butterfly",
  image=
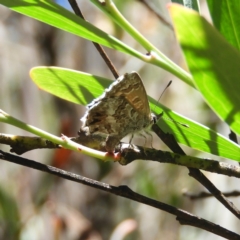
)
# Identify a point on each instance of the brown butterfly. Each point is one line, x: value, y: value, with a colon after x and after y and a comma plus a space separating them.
x: 122, y: 109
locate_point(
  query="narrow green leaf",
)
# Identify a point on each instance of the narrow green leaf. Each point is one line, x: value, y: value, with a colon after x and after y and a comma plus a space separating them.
x: 74, y: 86
x: 226, y: 18
x: 213, y: 62
x: 82, y: 88
x: 54, y: 15
x: 156, y: 57
x: 57, y: 16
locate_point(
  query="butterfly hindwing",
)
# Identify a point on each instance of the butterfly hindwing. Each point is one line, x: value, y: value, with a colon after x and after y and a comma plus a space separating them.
x: 122, y: 109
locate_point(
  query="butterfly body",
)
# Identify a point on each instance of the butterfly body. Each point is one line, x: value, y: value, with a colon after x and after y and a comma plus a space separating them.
x: 122, y: 109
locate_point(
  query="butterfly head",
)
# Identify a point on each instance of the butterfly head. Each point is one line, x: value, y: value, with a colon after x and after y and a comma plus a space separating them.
x: 153, y: 118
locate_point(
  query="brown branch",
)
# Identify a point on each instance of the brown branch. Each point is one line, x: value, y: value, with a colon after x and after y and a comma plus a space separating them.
x: 129, y: 155
x: 99, y: 48
x: 201, y: 195
x: 22, y: 144
x: 170, y: 141
x: 182, y: 216
x: 152, y: 9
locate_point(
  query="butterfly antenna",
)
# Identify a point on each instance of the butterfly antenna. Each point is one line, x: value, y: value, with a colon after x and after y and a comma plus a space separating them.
x: 161, y: 114
x: 162, y: 95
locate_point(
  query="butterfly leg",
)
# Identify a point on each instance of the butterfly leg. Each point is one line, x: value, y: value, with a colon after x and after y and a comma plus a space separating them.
x: 145, y: 139
x: 145, y: 143
x: 130, y: 141
x: 149, y: 134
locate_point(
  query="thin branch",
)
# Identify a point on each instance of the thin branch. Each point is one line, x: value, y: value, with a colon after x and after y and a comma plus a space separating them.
x: 170, y: 141
x: 202, y: 195
x: 99, y: 48
x: 129, y: 155
x: 22, y: 144
x: 183, y: 217
x: 153, y: 9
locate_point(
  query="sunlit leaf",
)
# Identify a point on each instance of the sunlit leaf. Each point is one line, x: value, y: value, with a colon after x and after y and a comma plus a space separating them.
x: 82, y: 88
x: 213, y: 62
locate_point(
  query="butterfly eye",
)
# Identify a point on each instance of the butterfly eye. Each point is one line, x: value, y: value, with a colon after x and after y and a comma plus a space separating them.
x: 154, y: 118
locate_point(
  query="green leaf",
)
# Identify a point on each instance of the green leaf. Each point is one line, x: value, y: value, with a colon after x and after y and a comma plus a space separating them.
x: 57, y: 16
x: 82, y: 88
x: 54, y: 15
x: 74, y: 86
x: 156, y: 57
x: 213, y: 62
x: 225, y: 16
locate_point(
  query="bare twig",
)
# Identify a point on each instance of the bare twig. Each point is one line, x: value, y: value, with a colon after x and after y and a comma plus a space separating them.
x: 129, y: 155
x: 183, y: 217
x: 22, y: 144
x: 152, y: 9
x: 103, y: 54
x: 170, y: 141
x: 201, y: 195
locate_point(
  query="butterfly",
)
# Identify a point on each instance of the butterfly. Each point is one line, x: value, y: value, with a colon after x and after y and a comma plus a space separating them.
x: 121, y: 110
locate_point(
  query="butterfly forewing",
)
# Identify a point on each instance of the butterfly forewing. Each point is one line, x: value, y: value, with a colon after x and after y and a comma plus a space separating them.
x: 135, y: 94
x: 122, y: 109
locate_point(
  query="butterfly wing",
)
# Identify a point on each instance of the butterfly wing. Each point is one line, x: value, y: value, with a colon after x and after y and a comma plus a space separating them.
x: 122, y: 109
x: 131, y: 87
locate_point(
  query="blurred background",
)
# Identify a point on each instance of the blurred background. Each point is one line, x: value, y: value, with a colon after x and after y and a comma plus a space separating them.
x: 35, y: 205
